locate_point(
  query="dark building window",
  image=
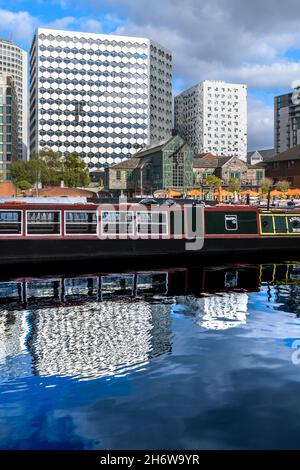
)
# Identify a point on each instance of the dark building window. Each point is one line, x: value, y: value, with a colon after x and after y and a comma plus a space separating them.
x: 178, y: 169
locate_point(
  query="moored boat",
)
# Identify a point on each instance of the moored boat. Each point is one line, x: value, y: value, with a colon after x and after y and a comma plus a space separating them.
x: 35, y: 231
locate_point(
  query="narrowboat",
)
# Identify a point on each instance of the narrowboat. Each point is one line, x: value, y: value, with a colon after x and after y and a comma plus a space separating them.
x: 59, y: 231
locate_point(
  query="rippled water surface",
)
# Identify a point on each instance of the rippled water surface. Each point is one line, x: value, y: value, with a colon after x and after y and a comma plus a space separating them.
x: 201, y: 359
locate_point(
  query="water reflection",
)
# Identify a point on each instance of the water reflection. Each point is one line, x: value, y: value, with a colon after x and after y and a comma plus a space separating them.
x: 219, y: 312
x: 108, y: 338
x: 105, y: 325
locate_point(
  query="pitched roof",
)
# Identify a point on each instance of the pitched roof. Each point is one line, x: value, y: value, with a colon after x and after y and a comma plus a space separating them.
x: 290, y: 154
x: 222, y: 161
x: 265, y: 154
x: 57, y: 191
x: 150, y: 149
x: 129, y: 164
x: 210, y: 161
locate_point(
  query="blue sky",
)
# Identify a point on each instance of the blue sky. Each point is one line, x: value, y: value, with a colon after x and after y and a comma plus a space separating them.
x: 257, y: 44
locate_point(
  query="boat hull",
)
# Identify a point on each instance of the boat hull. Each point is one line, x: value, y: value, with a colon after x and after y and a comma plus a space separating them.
x: 24, y: 251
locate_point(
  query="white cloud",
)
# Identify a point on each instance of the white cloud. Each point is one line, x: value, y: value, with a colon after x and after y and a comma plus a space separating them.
x: 19, y: 26
x: 260, y: 125
x: 90, y: 25
x: 62, y: 23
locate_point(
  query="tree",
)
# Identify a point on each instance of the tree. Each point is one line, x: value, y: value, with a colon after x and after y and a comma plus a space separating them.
x: 54, y: 164
x: 283, y: 186
x: 265, y: 185
x: 213, y: 182
x: 24, y: 185
x: 234, y: 185
x: 32, y: 171
x: 50, y: 168
x: 75, y: 172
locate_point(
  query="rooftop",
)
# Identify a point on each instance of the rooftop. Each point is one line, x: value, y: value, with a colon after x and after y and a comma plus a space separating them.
x: 291, y: 154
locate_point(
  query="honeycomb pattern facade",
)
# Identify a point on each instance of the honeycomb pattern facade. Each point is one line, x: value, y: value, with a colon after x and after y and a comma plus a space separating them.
x: 102, y: 96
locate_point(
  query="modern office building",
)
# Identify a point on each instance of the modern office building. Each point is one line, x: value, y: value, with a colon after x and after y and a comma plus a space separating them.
x: 102, y: 96
x: 287, y: 121
x: 8, y: 125
x: 13, y: 63
x: 212, y: 117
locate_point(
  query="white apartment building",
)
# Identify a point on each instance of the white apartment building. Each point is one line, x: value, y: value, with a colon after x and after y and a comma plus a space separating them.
x: 13, y: 63
x: 212, y: 117
x: 103, y: 96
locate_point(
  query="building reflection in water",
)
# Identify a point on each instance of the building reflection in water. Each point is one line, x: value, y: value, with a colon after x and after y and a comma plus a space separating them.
x: 106, y: 325
x: 98, y: 339
x: 218, y: 312
x: 86, y: 327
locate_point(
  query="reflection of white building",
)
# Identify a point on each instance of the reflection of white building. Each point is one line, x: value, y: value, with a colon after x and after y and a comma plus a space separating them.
x: 14, y: 329
x: 218, y: 312
x: 98, y: 339
x: 13, y: 332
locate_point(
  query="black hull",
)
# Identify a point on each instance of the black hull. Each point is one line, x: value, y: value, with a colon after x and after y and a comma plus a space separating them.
x: 88, y: 255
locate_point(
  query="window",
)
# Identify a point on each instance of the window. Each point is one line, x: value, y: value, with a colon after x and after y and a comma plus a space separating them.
x: 81, y: 222
x: 118, y: 175
x: 259, y: 175
x: 154, y: 223
x: 116, y: 223
x: 178, y: 170
x: 43, y: 222
x: 206, y: 174
x: 10, y: 222
x: 235, y: 174
x: 231, y: 222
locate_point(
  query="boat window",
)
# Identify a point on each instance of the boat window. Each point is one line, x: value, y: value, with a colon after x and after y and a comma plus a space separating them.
x: 10, y: 222
x: 43, y: 223
x: 154, y: 223
x: 116, y: 223
x: 280, y: 224
x: 231, y: 222
x: 293, y: 223
x: 267, y: 224
x: 81, y: 222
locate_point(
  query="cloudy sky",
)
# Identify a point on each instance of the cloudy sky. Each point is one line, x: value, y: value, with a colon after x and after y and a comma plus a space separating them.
x: 257, y: 42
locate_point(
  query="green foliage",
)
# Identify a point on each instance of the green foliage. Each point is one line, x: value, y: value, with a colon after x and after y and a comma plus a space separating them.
x: 50, y: 168
x: 283, y: 186
x: 265, y: 186
x: 213, y: 182
x: 234, y: 185
x: 32, y: 171
x: 24, y: 185
x: 75, y: 172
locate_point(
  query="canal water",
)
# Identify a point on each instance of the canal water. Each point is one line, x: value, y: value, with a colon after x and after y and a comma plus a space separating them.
x: 189, y: 358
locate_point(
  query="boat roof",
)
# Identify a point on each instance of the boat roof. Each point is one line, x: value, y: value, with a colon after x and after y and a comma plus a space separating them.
x: 43, y: 200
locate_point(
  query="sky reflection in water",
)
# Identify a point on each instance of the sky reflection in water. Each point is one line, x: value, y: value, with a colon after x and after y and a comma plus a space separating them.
x: 151, y: 361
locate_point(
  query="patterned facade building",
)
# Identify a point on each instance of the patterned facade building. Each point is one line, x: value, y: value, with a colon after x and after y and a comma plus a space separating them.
x: 13, y: 63
x: 102, y: 96
x: 212, y: 117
